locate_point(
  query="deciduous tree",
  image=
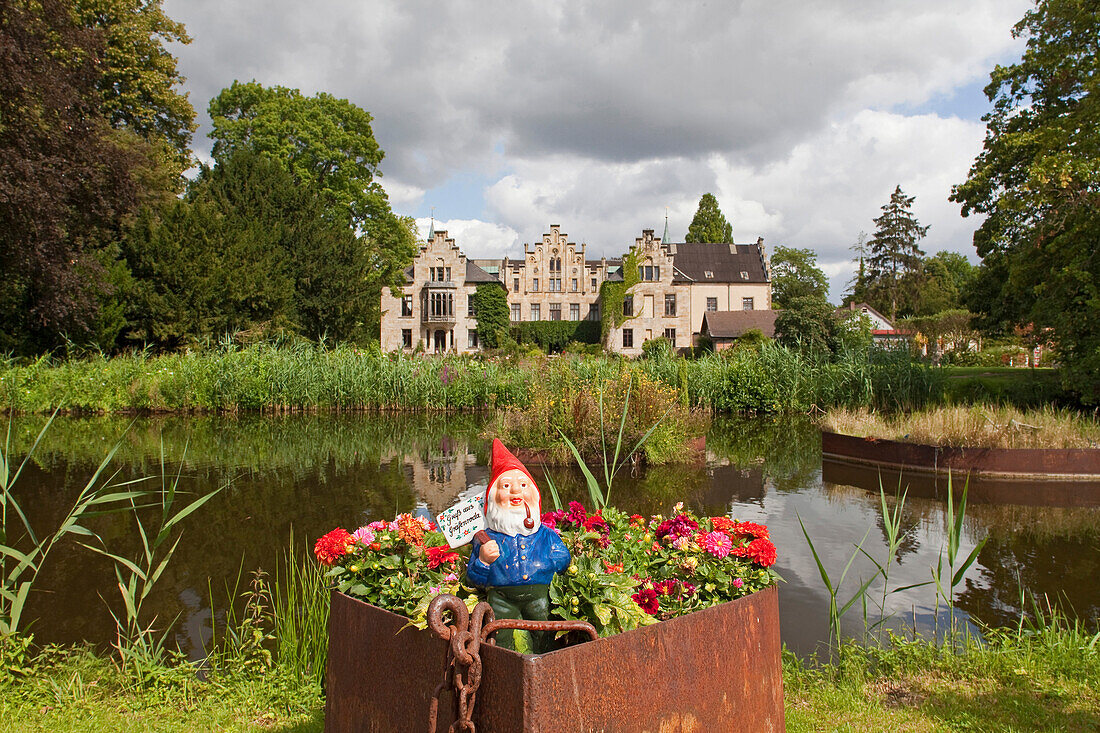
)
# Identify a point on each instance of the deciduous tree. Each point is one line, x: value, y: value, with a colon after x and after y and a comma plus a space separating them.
x: 65, y: 182
x: 795, y: 274
x: 327, y: 143
x: 1037, y: 182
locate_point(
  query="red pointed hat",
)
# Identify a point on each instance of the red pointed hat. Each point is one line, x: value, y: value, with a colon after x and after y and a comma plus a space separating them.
x: 502, y: 461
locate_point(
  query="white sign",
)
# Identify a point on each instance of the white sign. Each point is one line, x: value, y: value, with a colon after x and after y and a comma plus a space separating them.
x: 462, y: 521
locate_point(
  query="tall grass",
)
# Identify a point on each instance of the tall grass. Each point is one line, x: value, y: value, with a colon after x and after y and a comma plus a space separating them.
x: 301, y: 598
x: 23, y: 550
x: 303, y: 377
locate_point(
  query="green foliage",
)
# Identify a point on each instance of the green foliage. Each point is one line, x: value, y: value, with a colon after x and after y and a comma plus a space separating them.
x: 658, y: 348
x: 795, y: 274
x: 709, y: 224
x: 613, y: 293
x: 140, y: 649
x: 554, y: 335
x: 491, y: 307
x: 1036, y: 183
x: 629, y: 571
x: 894, y: 262
x: 323, y: 142
x: 601, y: 411
x: 139, y: 82
x: 806, y: 323
x: 65, y: 181
x: 247, y: 249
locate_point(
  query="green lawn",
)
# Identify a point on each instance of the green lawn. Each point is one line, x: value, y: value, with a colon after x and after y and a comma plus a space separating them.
x: 1019, y: 386
x: 1049, y: 680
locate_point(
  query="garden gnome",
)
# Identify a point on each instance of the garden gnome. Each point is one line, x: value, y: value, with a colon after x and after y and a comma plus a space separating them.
x: 516, y: 558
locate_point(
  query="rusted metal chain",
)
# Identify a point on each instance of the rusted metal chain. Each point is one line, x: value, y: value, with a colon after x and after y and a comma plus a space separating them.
x: 466, y: 633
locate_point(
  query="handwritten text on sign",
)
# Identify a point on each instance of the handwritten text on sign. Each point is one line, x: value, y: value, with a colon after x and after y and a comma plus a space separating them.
x: 462, y: 521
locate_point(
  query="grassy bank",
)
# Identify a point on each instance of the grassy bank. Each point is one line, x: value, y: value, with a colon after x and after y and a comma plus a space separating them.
x: 1028, y: 681
x: 976, y: 426
x: 306, y: 377
x: 1015, y: 684
x: 1021, y: 387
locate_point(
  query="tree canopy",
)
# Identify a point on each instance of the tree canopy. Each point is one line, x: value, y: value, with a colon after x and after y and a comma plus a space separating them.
x: 795, y: 274
x: 1037, y: 181
x: 709, y: 224
x: 65, y: 182
x: 894, y: 260
x: 327, y: 143
x: 138, y: 78
x: 247, y: 249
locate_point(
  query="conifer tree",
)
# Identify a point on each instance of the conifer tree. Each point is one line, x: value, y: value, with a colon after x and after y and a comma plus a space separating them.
x: 894, y: 262
x: 709, y: 224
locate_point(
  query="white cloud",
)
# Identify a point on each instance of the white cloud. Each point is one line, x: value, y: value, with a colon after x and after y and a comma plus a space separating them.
x: 476, y: 238
x: 597, y: 116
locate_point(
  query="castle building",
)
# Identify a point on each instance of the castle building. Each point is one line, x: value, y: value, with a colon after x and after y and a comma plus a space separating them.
x: 554, y: 281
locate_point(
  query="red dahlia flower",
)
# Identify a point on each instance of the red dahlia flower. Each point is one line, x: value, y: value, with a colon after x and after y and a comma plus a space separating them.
x: 722, y: 524
x: 749, y: 529
x: 647, y: 599
x: 333, y: 546
x: 760, y: 551
x: 442, y: 555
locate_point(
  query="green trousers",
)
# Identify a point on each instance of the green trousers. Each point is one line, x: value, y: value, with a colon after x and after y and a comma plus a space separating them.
x: 529, y: 602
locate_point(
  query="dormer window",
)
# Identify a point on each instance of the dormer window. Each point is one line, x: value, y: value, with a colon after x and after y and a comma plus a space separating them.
x: 744, y: 275
x: 709, y: 274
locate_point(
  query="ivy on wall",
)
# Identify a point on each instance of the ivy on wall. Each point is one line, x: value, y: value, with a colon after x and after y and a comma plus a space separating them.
x: 554, y: 335
x: 612, y: 295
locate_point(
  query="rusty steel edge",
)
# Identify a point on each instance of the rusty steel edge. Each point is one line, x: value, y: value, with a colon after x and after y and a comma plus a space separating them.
x: 1005, y: 463
x: 715, y: 669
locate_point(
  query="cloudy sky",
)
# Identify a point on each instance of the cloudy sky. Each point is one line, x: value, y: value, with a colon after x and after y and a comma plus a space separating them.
x: 506, y: 117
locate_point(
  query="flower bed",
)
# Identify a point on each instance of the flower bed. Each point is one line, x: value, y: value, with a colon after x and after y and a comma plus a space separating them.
x: 627, y: 570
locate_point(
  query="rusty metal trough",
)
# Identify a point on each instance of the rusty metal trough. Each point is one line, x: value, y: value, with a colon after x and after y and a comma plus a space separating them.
x: 717, y: 669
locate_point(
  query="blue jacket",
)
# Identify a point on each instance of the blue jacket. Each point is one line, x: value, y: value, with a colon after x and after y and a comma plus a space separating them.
x: 524, y: 559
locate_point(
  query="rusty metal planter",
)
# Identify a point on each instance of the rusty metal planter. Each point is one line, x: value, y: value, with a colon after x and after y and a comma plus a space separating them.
x: 717, y: 669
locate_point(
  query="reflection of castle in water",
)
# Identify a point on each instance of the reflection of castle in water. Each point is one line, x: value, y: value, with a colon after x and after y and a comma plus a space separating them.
x: 441, y: 474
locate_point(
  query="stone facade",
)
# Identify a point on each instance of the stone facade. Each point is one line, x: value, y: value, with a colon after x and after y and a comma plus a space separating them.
x: 554, y: 281
x: 435, y: 309
x: 657, y: 306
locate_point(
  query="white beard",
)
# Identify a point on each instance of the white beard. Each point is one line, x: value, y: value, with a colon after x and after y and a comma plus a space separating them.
x: 509, y: 520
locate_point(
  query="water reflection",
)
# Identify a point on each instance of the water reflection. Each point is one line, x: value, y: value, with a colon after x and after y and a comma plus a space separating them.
x: 307, y: 474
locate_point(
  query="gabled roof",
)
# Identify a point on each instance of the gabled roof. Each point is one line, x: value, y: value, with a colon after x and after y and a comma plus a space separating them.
x: 853, y: 308
x: 733, y: 324
x: 724, y: 262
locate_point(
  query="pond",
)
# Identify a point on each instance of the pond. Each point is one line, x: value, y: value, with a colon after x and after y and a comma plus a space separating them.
x: 305, y: 474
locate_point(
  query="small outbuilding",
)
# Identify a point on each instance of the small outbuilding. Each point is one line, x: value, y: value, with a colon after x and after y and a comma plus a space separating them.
x: 723, y: 328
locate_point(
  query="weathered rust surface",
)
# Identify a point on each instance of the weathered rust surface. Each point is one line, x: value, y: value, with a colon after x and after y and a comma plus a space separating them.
x: 1022, y: 463
x: 981, y: 489
x: 717, y: 669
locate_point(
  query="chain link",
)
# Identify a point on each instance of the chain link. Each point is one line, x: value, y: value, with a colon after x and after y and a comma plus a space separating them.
x: 462, y: 670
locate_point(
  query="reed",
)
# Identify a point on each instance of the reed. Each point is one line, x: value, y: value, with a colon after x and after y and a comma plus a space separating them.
x: 300, y: 597
x: 303, y: 377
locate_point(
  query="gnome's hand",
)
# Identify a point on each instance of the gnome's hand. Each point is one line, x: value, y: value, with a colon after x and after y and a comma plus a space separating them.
x: 490, y: 551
